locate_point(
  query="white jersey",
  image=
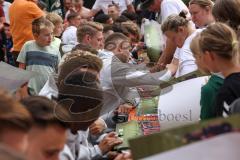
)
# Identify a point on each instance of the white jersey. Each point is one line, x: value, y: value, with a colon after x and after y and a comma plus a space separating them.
x: 103, y: 5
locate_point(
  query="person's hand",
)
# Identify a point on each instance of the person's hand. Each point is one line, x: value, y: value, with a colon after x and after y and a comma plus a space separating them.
x: 172, y: 68
x: 124, y: 156
x: 97, y: 127
x: 112, y: 154
x: 108, y: 142
x: 125, y: 108
x: 22, y: 92
x: 157, y: 68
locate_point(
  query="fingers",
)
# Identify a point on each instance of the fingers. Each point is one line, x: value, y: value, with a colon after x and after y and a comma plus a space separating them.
x: 125, y: 108
x: 111, y: 134
x: 109, y: 142
x: 95, y: 130
x: 97, y: 127
x: 124, y: 156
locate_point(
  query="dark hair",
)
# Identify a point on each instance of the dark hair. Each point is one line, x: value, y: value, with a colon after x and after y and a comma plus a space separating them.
x: 43, y: 111
x: 13, y: 114
x: 121, y: 19
x: 101, y: 18
x: 6, y: 24
x: 131, y: 16
x: 127, y: 28
x: 114, y: 5
x: 227, y: 11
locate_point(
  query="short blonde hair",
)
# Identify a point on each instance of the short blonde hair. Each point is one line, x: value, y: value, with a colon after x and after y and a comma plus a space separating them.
x: 88, y: 28
x: 40, y: 24
x: 202, y: 3
x: 54, y: 18
x: 220, y: 39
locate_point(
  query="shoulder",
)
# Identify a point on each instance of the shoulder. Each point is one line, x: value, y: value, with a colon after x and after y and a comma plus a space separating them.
x: 30, y: 44
x: 71, y: 29
x: 32, y: 7
x: 232, y: 81
x: 84, y: 9
x: 207, y: 89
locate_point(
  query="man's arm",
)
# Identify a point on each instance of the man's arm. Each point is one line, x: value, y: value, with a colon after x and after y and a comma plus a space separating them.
x: 124, y: 75
x: 166, y: 57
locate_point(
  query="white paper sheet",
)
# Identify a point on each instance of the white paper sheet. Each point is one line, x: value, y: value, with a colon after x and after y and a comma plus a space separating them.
x: 223, y: 147
x: 11, y: 78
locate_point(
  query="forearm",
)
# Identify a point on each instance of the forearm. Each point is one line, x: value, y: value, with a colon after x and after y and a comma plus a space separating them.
x: 168, y: 53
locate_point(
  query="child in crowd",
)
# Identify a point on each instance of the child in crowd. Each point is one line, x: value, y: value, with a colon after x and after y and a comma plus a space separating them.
x: 39, y: 55
x: 208, y: 91
x: 178, y: 29
x: 220, y: 52
x: 58, y: 28
x: 8, y: 44
x: 47, y: 136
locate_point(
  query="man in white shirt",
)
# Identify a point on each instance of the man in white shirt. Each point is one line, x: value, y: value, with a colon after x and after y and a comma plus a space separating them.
x: 70, y: 34
x: 103, y: 5
x: 164, y: 7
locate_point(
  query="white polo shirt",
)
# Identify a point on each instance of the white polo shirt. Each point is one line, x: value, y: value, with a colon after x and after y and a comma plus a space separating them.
x: 103, y: 5
x: 169, y: 7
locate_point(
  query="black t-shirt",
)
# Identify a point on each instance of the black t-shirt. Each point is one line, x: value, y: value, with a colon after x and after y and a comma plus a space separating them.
x: 229, y: 92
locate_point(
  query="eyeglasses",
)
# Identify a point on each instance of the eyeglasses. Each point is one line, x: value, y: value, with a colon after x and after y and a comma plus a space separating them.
x: 124, y: 45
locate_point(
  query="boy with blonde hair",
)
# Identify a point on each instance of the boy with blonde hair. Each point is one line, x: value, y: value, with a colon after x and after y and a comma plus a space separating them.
x: 39, y: 55
x: 58, y: 28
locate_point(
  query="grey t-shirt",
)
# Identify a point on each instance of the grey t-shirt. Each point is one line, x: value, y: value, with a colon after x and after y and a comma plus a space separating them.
x: 43, y: 60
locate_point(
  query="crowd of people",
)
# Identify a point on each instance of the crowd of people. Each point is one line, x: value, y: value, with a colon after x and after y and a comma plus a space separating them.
x: 89, y: 64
